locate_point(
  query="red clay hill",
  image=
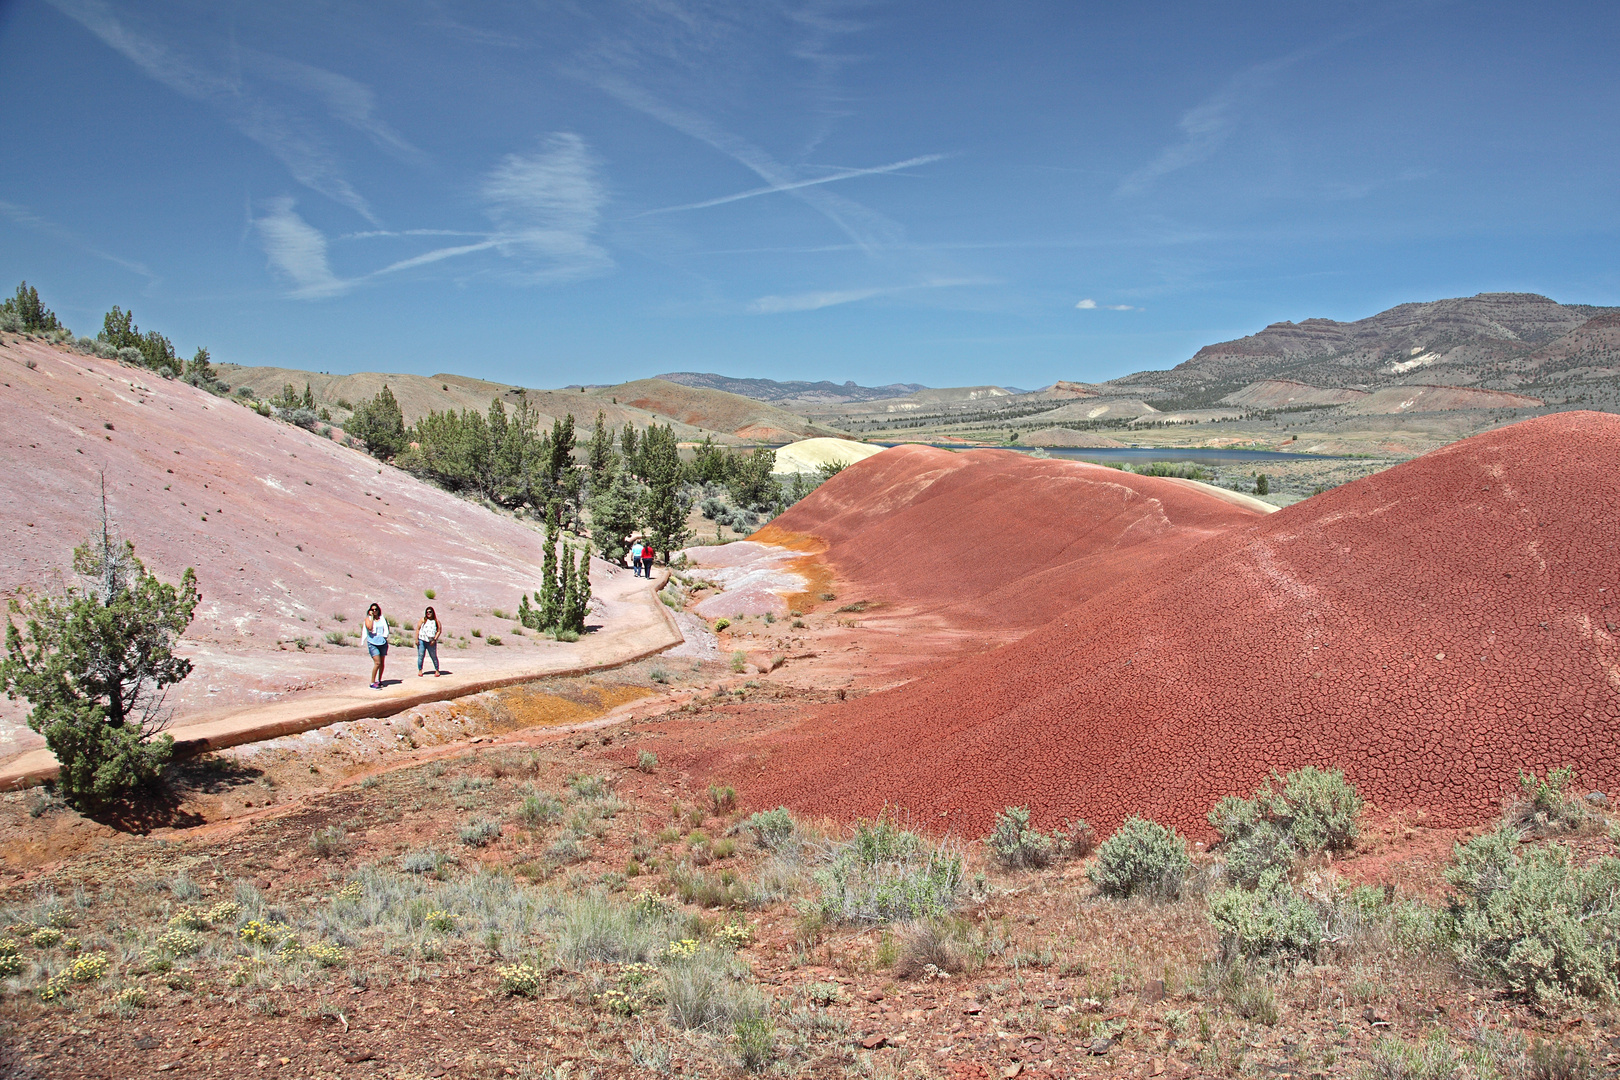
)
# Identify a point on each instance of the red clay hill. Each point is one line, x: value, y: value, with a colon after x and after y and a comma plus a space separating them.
x: 991, y: 539
x: 1430, y: 629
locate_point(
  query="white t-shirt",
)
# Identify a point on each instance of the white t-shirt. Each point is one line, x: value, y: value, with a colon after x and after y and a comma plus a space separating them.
x: 428, y: 630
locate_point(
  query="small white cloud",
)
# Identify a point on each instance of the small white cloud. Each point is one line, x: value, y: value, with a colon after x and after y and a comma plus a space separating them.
x: 297, y: 251
x: 1089, y: 304
x: 1086, y: 304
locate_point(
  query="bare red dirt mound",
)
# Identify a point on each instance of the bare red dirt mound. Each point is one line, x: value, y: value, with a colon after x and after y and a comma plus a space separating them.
x: 1429, y: 629
x: 991, y: 539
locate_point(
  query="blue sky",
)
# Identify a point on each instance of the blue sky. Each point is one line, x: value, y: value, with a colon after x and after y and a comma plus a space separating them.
x: 947, y: 193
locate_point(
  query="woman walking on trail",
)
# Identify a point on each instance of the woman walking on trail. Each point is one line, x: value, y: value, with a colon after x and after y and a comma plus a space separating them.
x: 649, y: 555
x: 376, y: 643
x: 428, y: 632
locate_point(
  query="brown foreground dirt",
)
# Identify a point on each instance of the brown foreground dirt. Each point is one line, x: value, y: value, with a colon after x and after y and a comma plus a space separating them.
x: 464, y: 902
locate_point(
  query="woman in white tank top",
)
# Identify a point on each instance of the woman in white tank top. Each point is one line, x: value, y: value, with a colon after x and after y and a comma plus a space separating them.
x: 428, y: 632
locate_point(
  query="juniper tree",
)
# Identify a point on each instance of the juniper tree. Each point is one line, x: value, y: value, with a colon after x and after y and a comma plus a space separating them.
x: 664, y: 509
x: 24, y: 312
x: 615, y: 517
x: 550, y: 594
x: 95, y: 665
x: 600, y: 457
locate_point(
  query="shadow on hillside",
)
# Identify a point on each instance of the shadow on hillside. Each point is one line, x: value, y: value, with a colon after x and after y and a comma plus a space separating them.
x: 155, y: 808
x: 211, y: 774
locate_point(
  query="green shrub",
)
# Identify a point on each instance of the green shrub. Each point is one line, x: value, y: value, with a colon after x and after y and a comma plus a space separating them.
x: 723, y: 799
x: 755, y: 1039
x: 739, y: 660
x: 884, y: 873
x: 479, y: 832
x: 1250, y: 856
x: 588, y: 787
x: 1307, y: 811
x: 539, y: 809
x: 1141, y: 857
x: 1535, y: 924
x: 647, y: 761
x: 1014, y: 844
x: 773, y: 828
x: 1269, y: 921
x: 1551, y: 806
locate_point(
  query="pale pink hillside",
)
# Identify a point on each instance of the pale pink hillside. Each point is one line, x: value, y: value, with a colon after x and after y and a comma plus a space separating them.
x: 284, y: 528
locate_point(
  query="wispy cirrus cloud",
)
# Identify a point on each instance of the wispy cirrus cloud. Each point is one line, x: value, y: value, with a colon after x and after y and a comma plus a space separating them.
x: 24, y: 216
x: 813, y: 301
x: 290, y: 137
x: 1089, y: 304
x: 546, y: 207
x: 1206, y: 126
x: 772, y: 189
x: 297, y: 252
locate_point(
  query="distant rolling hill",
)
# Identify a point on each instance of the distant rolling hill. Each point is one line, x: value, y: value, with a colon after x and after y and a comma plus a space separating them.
x: 820, y: 393
x: 419, y: 394
x: 743, y: 417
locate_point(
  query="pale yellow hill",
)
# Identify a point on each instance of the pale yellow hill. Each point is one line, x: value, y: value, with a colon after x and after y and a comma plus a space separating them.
x: 808, y: 455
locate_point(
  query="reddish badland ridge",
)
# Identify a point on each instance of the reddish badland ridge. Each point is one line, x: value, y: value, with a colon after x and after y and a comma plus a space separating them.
x: 992, y: 539
x: 1430, y: 630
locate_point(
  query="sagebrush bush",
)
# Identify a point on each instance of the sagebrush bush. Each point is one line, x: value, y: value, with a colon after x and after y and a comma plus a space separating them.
x: 1550, y: 806
x: 884, y: 873
x: 1141, y: 857
x: 940, y: 943
x: 1315, y: 809
x: 773, y: 828
x: 1271, y: 921
x: 1535, y: 924
x: 1250, y: 856
x: 1014, y: 844
x: 479, y: 832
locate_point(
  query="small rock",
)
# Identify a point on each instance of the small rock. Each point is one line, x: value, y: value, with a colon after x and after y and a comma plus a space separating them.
x: 1099, y: 1047
x: 1156, y: 1067
x: 1373, y: 1017
x: 1597, y: 798
x: 1013, y: 1070
x: 872, y: 1042
x: 874, y: 996
x: 1152, y: 991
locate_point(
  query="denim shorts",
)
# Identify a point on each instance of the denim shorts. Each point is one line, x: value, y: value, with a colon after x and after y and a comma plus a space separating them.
x: 377, y: 650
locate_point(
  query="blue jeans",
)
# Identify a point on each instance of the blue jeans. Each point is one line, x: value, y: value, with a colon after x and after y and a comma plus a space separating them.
x: 430, y: 648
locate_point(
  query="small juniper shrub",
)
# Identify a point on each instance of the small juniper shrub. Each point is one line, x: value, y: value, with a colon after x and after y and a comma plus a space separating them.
x: 1142, y: 857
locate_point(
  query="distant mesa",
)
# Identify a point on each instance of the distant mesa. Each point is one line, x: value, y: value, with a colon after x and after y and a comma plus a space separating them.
x: 1502, y: 340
